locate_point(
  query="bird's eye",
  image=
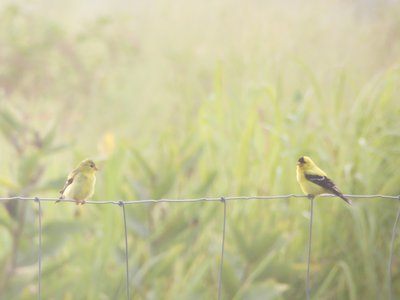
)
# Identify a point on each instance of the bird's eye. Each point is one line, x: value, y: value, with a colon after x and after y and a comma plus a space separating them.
x: 301, y: 160
x: 92, y: 165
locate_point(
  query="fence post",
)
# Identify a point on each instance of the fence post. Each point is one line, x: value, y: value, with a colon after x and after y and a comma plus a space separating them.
x: 122, y: 204
x: 309, y: 248
x: 394, y: 232
x: 222, y: 250
x: 36, y: 199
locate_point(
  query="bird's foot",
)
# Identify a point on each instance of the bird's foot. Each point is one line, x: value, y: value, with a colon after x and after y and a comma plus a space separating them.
x: 309, y: 196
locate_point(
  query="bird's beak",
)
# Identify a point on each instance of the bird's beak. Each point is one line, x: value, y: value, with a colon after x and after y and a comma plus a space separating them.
x: 96, y: 168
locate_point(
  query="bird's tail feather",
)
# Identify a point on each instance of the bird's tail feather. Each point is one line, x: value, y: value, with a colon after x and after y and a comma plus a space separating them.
x: 345, y: 199
x: 339, y: 194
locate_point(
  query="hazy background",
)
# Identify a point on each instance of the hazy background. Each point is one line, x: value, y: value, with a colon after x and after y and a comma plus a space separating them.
x: 184, y: 99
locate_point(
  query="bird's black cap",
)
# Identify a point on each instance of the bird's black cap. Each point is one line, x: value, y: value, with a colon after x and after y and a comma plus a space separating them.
x: 301, y: 160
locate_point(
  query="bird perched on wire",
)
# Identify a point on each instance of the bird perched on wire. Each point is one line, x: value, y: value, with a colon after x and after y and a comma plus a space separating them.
x: 80, y: 182
x: 313, y: 181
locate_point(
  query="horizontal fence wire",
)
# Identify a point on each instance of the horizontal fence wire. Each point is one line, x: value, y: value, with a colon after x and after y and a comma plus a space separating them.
x: 211, y: 199
x: 224, y: 200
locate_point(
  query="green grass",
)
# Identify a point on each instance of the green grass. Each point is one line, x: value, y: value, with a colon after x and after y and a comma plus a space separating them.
x: 184, y: 100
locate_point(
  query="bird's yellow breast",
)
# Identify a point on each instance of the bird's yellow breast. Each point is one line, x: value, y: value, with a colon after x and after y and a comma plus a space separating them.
x: 307, y: 186
x: 82, y: 187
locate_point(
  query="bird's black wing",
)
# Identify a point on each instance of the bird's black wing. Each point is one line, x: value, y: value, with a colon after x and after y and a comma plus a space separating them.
x: 323, y: 181
x: 326, y: 183
x: 67, y: 183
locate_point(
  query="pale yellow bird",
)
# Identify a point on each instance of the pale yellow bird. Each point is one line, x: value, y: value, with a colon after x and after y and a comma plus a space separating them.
x: 80, y: 182
x: 313, y: 181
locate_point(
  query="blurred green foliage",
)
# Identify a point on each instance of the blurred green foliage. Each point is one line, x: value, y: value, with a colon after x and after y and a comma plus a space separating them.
x: 184, y: 100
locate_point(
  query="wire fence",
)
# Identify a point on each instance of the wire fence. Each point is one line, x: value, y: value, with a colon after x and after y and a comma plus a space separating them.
x: 224, y: 201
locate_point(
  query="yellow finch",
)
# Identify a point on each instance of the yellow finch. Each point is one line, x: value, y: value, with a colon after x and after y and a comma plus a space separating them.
x: 80, y: 183
x: 313, y: 181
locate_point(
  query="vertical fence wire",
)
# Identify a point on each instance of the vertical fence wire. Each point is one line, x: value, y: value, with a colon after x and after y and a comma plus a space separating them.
x: 222, y: 251
x: 394, y: 233
x: 121, y: 203
x: 309, y: 249
x: 40, y: 248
